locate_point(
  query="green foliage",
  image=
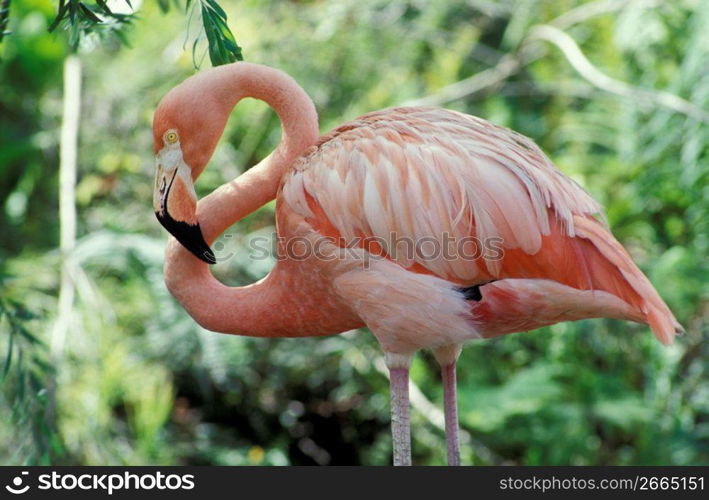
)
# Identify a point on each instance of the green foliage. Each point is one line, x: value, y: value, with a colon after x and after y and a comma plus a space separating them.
x: 4, y: 18
x: 222, y: 45
x: 26, y: 380
x: 81, y: 19
x: 141, y: 383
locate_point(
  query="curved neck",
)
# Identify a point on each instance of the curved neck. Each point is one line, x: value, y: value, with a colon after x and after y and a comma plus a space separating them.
x: 299, y: 125
x: 260, y: 309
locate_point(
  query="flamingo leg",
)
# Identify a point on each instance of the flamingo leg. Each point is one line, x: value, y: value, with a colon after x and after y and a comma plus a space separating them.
x: 400, y: 422
x: 451, y: 413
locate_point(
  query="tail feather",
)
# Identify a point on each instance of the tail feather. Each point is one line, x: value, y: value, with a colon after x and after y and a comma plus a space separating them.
x: 658, y: 316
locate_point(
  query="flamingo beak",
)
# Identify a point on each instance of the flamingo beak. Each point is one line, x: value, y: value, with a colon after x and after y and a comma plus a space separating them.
x: 175, y: 206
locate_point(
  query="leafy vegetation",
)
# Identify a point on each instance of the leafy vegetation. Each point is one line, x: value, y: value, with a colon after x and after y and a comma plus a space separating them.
x: 136, y: 381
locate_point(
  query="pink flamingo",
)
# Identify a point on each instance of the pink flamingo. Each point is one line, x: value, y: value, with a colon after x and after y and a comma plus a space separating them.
x: 349, y: 203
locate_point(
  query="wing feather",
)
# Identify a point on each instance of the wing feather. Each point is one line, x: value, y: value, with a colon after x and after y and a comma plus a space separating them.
x: 420, y: 174
x: 431, y: 175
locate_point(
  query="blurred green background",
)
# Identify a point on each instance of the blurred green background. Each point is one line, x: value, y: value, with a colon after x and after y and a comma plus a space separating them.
x: 120, y: 374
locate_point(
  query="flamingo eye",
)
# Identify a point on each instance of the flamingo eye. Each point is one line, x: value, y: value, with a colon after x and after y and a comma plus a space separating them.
x: 171, y: 137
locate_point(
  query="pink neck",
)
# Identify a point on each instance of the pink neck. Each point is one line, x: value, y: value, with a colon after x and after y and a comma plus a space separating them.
x: 258, y: 309
x: 299, y: 122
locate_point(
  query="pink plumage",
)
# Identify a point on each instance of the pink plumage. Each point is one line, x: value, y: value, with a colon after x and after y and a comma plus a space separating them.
x: 418, y: 173
x: 351, y: 202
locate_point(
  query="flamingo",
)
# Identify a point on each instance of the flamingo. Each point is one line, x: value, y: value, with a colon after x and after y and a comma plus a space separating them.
x: 347, y: 205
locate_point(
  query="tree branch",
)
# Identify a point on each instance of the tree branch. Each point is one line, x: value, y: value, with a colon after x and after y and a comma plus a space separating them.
x: 590, y: 73
x: 590, y: 10
x: 513, y: 62
x: 68, y: 149
x: 507, y: 66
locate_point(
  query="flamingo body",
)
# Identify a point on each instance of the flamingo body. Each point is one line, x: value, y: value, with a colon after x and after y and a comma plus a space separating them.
x: 349, y: 203
x: 420, y: 173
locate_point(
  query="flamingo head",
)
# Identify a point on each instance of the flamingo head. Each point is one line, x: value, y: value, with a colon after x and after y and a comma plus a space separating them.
x: 187, y: 126
x: 174, y: 197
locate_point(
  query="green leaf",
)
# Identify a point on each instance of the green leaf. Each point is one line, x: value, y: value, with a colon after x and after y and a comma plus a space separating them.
x: 8, y: 359
x: 223, y: 48
x: 89, y: 14
x: 104, y: 7
x: 61, y: 13
x: 212, y: 4
x: 4, y: 18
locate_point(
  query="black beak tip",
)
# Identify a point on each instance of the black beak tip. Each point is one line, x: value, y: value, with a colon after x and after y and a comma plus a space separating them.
x: 208, y: 256
x: 189, y: 236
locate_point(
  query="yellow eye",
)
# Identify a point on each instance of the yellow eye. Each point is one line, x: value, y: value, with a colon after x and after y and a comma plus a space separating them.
x: 171, y: 137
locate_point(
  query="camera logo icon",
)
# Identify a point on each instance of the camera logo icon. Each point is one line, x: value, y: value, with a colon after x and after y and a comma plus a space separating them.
x: 17, y: 488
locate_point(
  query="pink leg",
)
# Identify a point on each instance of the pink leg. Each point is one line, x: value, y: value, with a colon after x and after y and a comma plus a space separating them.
x: 400, y: 426
x: 451, y: 413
